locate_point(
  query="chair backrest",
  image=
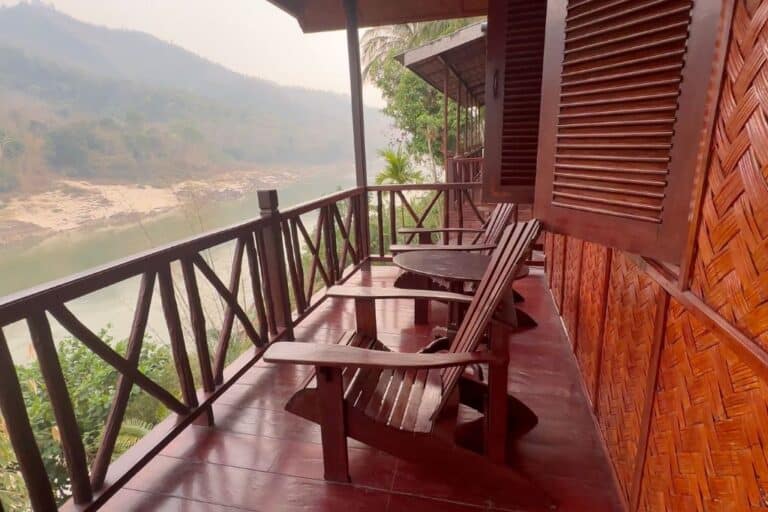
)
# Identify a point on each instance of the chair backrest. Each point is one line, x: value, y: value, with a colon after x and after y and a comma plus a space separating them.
x: 514, y: 243
x: 494, y: 226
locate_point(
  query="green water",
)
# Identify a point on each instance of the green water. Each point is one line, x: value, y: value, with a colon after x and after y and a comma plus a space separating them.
x: 58, y: 256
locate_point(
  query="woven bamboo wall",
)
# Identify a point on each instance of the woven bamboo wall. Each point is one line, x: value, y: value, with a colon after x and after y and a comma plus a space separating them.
x: 709, y: 430
x: 571, y: 285
x: 558, y: 269
x: 592, y: 302
x: 549, y: 240
x: 629, y: 328
x: 731, y: 265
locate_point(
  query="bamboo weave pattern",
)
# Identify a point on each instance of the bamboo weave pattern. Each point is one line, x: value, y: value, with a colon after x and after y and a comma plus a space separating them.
x: 591, y: 312
x: 571, y: 273
x: 629, y: 328
x: 707, y: 445
x: 731, y: 266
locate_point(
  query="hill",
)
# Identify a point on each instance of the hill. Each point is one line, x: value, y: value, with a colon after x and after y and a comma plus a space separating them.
x: 91, y: 102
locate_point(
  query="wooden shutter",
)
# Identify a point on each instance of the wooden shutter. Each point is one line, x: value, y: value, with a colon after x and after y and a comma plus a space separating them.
x: 513, y: 94
x: 618, y: 141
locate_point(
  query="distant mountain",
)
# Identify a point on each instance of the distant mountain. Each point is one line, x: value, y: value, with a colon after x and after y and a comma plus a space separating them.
x: 91, y: 101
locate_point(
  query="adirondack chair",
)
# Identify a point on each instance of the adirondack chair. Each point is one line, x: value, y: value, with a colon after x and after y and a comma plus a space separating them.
x: 407, y: 403
x: 484, y: 241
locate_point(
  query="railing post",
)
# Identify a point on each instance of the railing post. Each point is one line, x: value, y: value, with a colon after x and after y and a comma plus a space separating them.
x: 447, y: 204
x: 274, y: 260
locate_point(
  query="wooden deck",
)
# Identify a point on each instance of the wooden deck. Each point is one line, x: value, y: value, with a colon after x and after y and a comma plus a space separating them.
x: 259, y: 457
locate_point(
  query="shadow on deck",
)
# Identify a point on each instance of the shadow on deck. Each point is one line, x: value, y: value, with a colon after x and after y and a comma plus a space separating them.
x: 259, y: 457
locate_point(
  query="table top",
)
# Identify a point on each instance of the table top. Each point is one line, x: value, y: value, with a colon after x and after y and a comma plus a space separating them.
x: 447, y: 265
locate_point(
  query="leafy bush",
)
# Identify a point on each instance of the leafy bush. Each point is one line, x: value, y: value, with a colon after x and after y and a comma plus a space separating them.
x: 91, y: 384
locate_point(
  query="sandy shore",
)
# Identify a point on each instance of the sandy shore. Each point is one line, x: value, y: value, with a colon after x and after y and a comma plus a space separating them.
x: 71, y: 204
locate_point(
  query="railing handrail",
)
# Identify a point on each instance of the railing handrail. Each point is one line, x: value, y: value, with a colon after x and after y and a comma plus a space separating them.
x: 314, y: 204
x: 423, y: 186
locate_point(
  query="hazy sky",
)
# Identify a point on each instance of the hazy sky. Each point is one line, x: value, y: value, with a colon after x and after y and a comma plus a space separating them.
x: 250, y: 36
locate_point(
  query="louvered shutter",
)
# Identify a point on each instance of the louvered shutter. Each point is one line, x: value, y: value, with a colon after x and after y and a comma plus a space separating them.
x: 513, y: 94
x: 614, y: 73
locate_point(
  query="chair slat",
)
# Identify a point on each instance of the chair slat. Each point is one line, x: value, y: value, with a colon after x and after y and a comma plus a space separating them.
x: 388, y: 402
x: 398, y: 411
x: 374, y: 403
x: 414, y: 400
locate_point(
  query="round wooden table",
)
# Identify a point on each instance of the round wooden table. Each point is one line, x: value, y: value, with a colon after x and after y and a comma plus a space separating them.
x: 456, y: 267
x: 452, y: 267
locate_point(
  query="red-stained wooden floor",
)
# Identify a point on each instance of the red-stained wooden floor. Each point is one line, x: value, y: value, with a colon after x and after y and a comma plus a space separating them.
x: 259, y: 457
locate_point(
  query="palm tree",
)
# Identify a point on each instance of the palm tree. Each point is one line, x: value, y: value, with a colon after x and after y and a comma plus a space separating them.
x: 380, y: 43
x: 398, y: 170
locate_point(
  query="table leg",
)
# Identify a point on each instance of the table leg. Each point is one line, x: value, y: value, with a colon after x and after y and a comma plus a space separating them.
x: 421, y: 306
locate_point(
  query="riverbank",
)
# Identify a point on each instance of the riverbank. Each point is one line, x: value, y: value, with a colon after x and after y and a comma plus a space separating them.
x: 72, y: 205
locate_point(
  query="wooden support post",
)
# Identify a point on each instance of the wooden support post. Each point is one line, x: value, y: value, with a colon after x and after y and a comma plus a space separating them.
x: 279, y: 302
x: 467, y: 102
x: 496, y: 413
x: 380, y: 222
x: 358, y: 124
x: 445, y: 120
x: 458, y: 116
x: 19, y: 432
x: 330, y: 388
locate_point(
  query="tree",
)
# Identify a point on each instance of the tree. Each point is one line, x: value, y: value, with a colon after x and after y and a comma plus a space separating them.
x: 416, y: 107
x: 398, y: 170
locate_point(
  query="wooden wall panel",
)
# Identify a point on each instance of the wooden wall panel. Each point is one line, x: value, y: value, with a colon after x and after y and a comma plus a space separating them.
x: 708, y: 447
x: 594, y: 276
x: 571, y: 287
x: 558, y: 269
x: 731, y: 266
x: 629, y: 329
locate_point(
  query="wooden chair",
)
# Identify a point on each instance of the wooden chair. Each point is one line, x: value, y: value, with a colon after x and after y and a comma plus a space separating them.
x: 485, y: 239
x: 407, y: 403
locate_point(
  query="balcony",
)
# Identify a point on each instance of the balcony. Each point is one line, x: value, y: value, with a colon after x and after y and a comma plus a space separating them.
x: 227, y: 441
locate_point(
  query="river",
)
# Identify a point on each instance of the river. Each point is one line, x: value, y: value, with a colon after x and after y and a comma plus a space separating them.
x: 24, y: 266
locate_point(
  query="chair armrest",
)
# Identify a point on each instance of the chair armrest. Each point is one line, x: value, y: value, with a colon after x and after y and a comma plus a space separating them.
x: 318, y: 354
x: 439, y: 230
x: 369, y: 292
x: 426, y: 247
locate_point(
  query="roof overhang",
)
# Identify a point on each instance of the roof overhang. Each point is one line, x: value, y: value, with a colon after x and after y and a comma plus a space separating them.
x: 462, y: 52
x: 321, y: 15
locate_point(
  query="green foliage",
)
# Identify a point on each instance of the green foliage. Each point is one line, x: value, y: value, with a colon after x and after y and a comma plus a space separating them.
x: 416, y: 107
x: 91, y: 384
x: 398, y: 170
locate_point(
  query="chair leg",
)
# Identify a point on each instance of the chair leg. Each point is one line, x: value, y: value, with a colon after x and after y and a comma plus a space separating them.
x: 333, y: 432
x: 496, y: 414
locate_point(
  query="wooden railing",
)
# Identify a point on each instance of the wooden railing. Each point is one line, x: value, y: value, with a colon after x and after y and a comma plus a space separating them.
x: 449, y: 198
x: 468, y: 169
x: 277, y: 276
